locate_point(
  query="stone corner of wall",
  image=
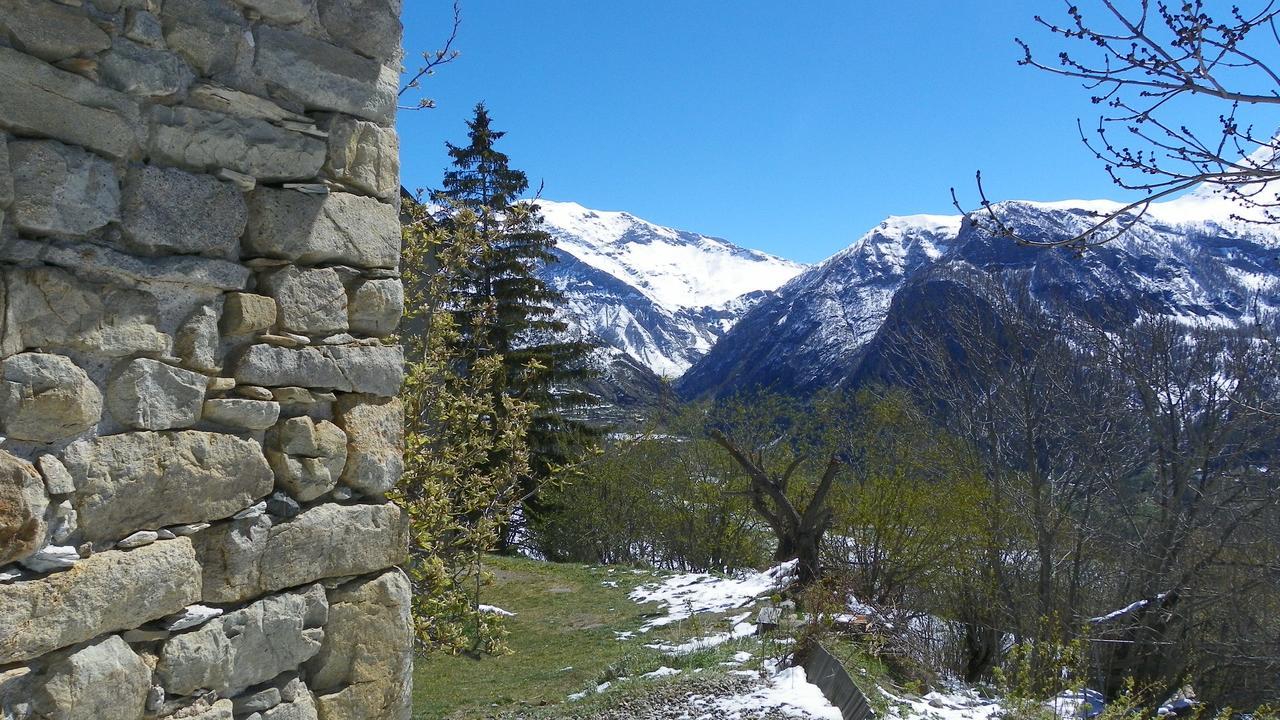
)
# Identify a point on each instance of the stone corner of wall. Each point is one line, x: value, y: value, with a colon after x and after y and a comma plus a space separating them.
x: 199, y: 274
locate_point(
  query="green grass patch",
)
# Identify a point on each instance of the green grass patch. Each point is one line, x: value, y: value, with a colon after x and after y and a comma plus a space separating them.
x: 563, y: 640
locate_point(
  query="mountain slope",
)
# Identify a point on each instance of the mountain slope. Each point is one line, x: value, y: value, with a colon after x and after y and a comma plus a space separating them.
x: 661, y: 295
x: 1187, y: 259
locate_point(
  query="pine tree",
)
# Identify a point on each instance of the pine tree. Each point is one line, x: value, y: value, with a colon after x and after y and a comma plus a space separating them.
x: 541, y: 364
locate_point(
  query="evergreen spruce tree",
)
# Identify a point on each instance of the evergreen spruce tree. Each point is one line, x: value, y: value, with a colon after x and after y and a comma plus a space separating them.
x: 542, y: 366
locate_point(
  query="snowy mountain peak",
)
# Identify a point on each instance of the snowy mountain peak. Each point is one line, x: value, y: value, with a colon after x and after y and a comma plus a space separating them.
x: 674, y: 268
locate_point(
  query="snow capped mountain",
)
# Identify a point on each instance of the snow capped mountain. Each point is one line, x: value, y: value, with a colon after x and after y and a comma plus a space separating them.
x: 1187, y: 258
x: 661, y: 295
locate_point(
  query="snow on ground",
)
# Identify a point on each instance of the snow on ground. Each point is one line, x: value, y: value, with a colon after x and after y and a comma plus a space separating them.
x: 739, y: 628
x: 951, y: 705
x: 692, y: 593
x: 495, y: 610
x: 788, y: 692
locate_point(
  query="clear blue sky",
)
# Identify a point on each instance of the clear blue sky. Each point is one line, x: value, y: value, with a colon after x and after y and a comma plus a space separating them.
x: 791, y: 127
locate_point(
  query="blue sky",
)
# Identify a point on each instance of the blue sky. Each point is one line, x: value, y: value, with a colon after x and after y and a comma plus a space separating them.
x: 791, y: 127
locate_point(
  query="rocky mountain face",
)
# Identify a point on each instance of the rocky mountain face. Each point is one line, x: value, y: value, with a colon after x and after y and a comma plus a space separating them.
x: 655, y: 298
x: 1187, y: 259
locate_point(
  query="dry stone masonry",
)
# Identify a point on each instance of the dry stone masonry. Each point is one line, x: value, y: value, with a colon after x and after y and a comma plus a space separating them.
x: 199, y: 277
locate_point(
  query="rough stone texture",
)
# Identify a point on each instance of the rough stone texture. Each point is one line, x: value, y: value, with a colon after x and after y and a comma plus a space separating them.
x: 370, y: 27
x: 238, y: 413
x: 49, y: 31
x: 375, y: 441
x: 373, y: 369
x: 313, y: 229
x: 324, y: 76
x: 311, y: 301
x: 281, y: 12
x: 245, y: 558
x: 49, y: 308
x: 140, y: 70
x: 307, y: 456
x: 104, y: 593
x: 205, y: 141
x: 61, y: 190
x: 105, y: 679
x: 375, y: 307
x: 38, y: 99
x: 171, y: 211
x: 132, y: 271
x: 150, y: 395
x: 364, y: 668
x: 22, y: 511
x: 363, y: 156
x: 197, y: 340
x: 46, y: 397
x: 102, y: 264
x: 245, y: 647
x: 244, y: 313
x: 208, y: 33
x: 149, y: 480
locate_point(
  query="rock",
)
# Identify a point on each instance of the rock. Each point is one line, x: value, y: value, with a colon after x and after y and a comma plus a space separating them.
x: 188, y: 529
x: 138, y: 539
x: 190, y: 617
x: 40, y: 100
x: 64, y: 523
x: 246, y: 558
x: 364, y: 670
x: 282, y: 506
x: 51, y: 558
x: 253, y: 392
x: 50, y: 308
x: 150, y: 395
x: 140, y: 70
x: 22, y: 509
x: 310, y: 300
x: 314, y: 229
x: 222, y: 99
x: 377, y: 370
x: 144, y: 27
x: 56, y: 478
x: 205, y: 141
x: 376, y: 306
x: 208, y: 33
x: 151, y: 479
x: 288, y: 341
x: 280, y: 12
x: 143, y: 635
x: 48, y: 31
x: 375, y: 442
x: 363, y: 156
x: 44, y: 398
x: 294, y: 396
x: 102, y: 264
x: 6, y: 178
x: 258, y: 509
x: 61, y: 190
x: 197, y: 340
x: 302, y: 707
x: 165, y: 534
x: 94, y: 598
x: 245, y: 647
x: 257, y: 701
x: 220, y: 710
x: 370, y: 27
x: 221, y: 384
x: 325, y: 77
x: 171, y: 211
x: 105, y: 679
x: 246, y: 414
x: 244, y: 313
x: 307, y: 456
x: 155, y: 697
x: 342, y: 493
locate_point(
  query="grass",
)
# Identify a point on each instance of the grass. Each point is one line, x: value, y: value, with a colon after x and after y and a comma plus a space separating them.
x: 563, y: 641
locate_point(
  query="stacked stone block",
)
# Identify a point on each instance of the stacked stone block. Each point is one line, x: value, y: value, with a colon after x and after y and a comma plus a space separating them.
x: 199, y: 273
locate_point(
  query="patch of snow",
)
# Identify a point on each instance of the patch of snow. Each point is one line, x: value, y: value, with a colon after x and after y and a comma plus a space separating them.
x: 495, y: 610
x: 1131, y: 607
x: 951, y: 705
x: 739, y: 630
x: 663, y: 671
x: 789, y: 692
x: 693, y: 593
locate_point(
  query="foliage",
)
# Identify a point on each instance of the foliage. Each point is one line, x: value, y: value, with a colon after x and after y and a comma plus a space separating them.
x: 502, y: 308
x: 465, y: 446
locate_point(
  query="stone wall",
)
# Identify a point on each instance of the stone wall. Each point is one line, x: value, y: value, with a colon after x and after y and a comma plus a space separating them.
x: 199, y: 254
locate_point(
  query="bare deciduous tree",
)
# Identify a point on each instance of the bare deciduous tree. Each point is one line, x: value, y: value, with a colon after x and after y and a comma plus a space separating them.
x: 1181, y: 88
